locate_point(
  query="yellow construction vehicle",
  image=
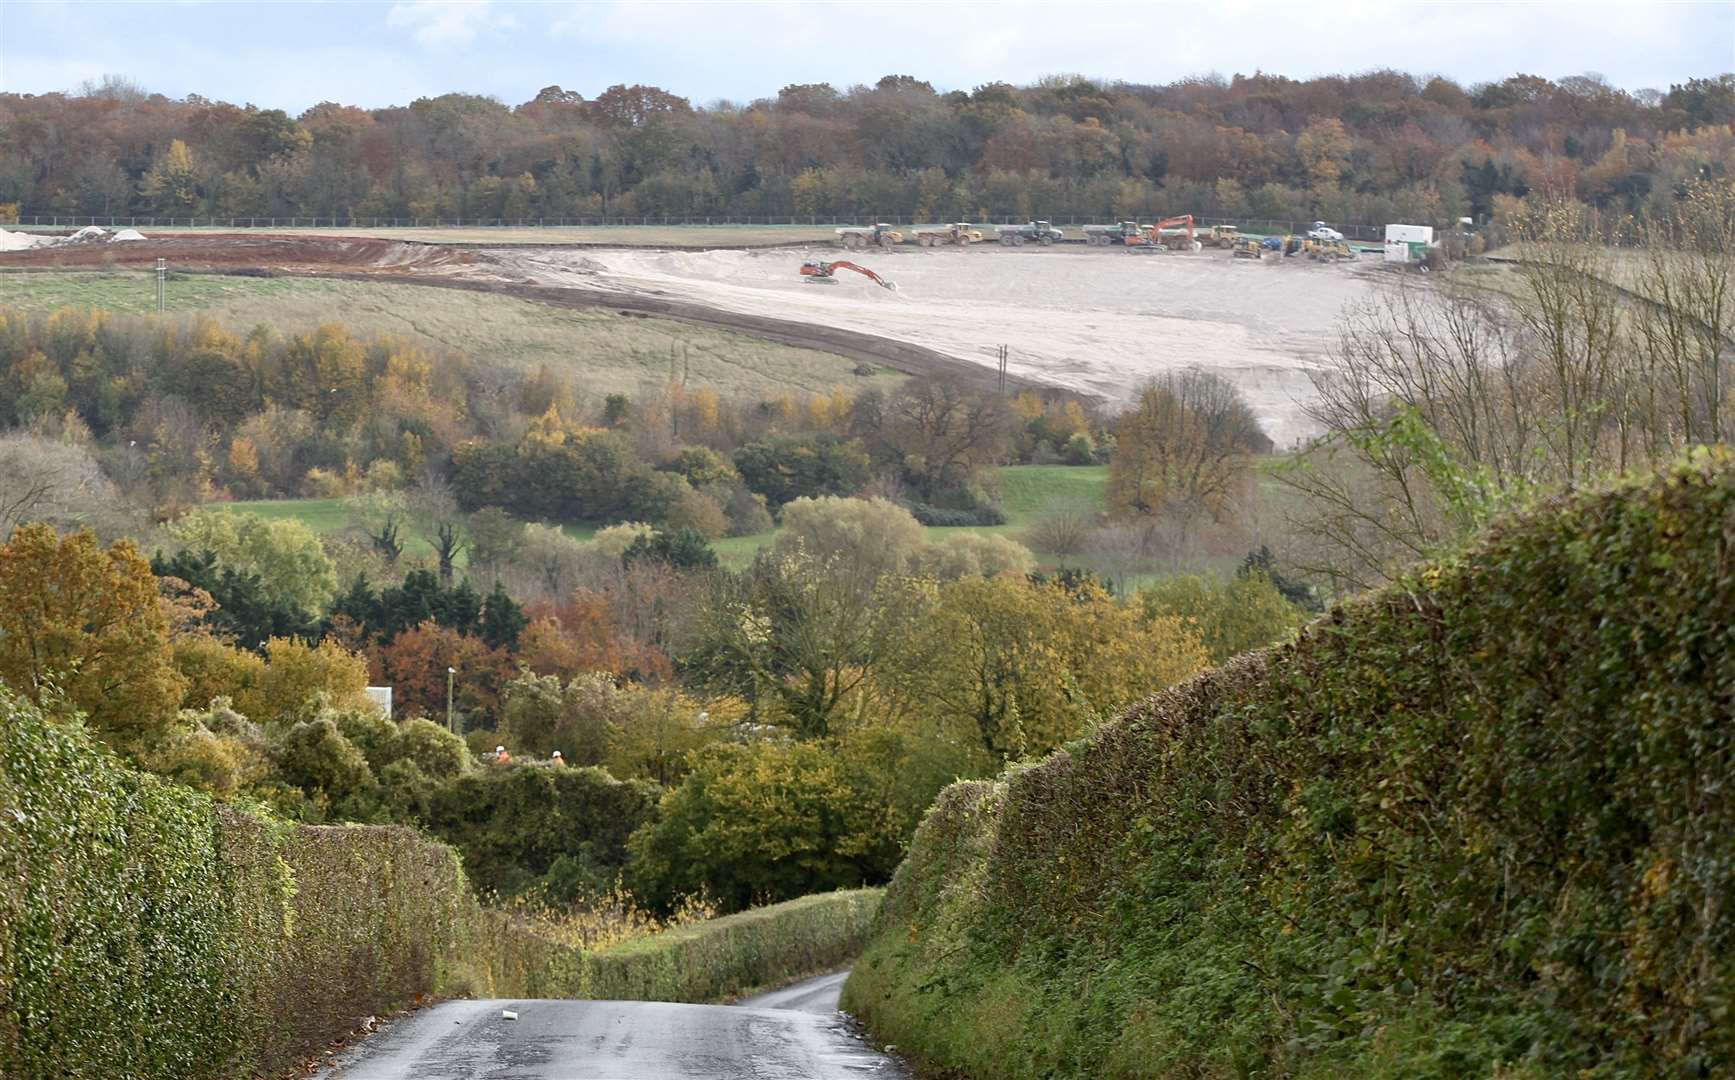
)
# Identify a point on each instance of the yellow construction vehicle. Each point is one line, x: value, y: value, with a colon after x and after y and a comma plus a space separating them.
x: 1249, y: 247
x: 1326, y: 250
x: 1223, y: 236
x: 959, y: 233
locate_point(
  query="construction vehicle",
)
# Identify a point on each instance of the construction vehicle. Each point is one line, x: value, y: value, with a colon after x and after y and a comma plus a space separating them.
x: 881, y: 236
x: 1179, y: 236
x: 1251, y: 247
x: 1326, y: 250
x: 1224, y: 236
x: 1121, y: 233
x: 823, y: 273
x: 1035, y: 232
x: 959, y: 233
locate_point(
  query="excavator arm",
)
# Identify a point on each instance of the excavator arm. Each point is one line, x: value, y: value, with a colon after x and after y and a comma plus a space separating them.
x: 825, y: 270
x: 1183, y: 219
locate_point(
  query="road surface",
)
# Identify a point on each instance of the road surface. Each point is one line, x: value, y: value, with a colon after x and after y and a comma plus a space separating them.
x: 817, y: 995
x: 623, y: 1040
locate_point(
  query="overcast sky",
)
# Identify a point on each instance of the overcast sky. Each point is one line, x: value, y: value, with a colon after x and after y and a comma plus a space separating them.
x: 293, y: 55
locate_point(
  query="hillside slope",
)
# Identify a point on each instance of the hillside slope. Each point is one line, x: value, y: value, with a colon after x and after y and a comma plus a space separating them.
x: 1477, y: 823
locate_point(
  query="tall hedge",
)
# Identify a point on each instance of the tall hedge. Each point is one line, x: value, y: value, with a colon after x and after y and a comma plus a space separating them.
x: 147, y: 932
x: 1482, y: 820
x: 707, y: 961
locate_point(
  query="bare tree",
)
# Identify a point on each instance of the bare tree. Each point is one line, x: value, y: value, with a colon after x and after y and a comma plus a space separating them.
x: 47, y: 480
x: 1184, y: 450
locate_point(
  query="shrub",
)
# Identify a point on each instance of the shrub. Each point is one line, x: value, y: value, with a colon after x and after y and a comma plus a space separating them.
x: 722, y: 834
x: 1231, y: 617
x: 870, y: 536
x: 682, y: 549
x: 976, y: 555
x: 513, y: 821
x: 1460, y: 827
x: 789, y: 467
x: 955, y: 518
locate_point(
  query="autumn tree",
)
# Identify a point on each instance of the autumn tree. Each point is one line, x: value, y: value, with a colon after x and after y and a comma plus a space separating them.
x: 1019, y: 668
x: 86, y: 626
x: 1184, y: 449
x: 172, y: 184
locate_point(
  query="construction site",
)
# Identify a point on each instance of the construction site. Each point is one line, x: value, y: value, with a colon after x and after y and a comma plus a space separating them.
x: 1260, y: 311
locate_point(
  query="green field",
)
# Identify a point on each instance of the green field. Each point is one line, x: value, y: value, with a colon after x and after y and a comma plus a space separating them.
x: 614, y: 352
x: 1026, y: 490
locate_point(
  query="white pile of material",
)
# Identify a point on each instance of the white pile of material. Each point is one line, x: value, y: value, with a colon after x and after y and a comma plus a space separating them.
x: 89, y: 234
x: 16, y: 241
x: 126, y: 234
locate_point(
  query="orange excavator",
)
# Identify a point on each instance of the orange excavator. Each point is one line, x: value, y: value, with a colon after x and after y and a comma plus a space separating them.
x: 1154, y: 240
x: 821, y: 273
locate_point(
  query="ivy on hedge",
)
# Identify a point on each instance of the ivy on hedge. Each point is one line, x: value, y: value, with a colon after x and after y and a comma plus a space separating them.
x: 147, y: 932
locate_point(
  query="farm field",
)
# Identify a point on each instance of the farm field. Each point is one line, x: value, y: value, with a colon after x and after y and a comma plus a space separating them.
x: 616, y: 352
x: 1026, y: 490
x: 678, y: 236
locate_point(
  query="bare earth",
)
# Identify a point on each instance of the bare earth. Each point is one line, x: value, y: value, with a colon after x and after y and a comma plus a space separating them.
x: 1093, y: 321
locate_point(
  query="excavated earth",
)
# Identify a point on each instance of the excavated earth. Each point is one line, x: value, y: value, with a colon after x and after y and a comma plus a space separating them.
x: 1097, y: 322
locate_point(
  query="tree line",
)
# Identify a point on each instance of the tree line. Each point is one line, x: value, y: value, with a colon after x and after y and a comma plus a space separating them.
x: 1379, y: 146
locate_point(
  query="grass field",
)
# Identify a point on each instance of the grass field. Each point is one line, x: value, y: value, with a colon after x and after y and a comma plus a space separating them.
x: 681, y: 236
x: 615, y: 352
x: 1026, y: 490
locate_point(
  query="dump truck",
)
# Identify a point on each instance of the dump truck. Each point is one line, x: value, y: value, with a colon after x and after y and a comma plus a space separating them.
x: 1034, y: 232
x: 1223, y: 236
x: 959, y: 233
x: 865, y: 236
x: 1121, y: 233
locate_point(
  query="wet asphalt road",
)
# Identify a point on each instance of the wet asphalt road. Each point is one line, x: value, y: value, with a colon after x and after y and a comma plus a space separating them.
x: 790, y: 1034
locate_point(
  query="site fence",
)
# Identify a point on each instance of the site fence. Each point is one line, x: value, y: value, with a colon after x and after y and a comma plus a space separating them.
x: 1263, y: 226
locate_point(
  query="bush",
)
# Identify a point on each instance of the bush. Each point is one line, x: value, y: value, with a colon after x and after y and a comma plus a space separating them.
x: 1460, y: 827
x: 1231, y: 617
x: 766, y: 821
x: 791, y: 466
x: 682, y: 549
x: 953, y: 518
x: 962, y: 555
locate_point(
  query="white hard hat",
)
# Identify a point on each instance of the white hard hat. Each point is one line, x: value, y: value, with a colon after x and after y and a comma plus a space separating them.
x: 499, y: 749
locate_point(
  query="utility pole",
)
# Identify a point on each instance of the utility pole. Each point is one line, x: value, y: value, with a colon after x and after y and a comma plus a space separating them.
x: 451, y: 722
x: 162, y: 275
x: 1003, y: 355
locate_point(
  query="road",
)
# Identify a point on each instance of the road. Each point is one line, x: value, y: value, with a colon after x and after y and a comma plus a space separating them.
x: 789, y: 1034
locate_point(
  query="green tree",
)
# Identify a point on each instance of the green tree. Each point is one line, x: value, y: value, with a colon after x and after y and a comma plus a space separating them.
x: 285, y: 555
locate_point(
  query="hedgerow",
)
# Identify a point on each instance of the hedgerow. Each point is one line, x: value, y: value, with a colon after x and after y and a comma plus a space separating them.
x: 713, y: 960
x: 149, y: 932
x: 1478, y: 822
x: 146, y: 931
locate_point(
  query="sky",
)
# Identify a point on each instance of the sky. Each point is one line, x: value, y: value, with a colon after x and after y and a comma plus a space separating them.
x: 390, y: 52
